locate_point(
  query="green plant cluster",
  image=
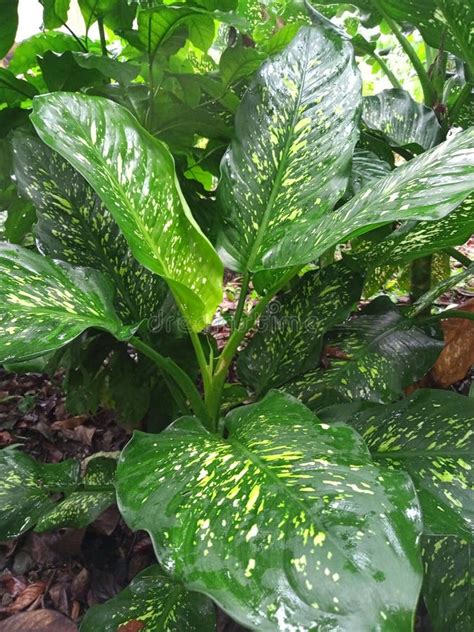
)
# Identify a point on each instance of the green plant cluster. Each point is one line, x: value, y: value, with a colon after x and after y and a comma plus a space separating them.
x: 193, y: 137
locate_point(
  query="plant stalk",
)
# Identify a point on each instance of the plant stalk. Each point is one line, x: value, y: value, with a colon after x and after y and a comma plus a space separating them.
x: 103, y: 41
x: 241, y: 304
x: 181, y: 378
x: 386, y: 70
x: 455, y: 254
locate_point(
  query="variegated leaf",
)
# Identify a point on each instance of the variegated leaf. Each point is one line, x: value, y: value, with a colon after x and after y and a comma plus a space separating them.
x: 290, y: 160
x: 134, y: 175
x: 74, y: 226
x: 152, y: 603
x: 366, y: 167
x: 373, y: 356
x: 289, y: 339
x: 287, y: 524
x: 401, y: 120
x: 447, y: 583
x: 46, y: 304
x: 430, y: 436
x: 27, y: 488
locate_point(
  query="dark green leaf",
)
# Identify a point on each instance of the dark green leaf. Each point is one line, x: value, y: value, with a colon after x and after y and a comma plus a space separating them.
x: 429, y: 436
x: 374, y: 356
x: 116, y: 14
x: 286, y: 525
x: 74, y: 226
x: 290, y: 333
x: 55, y: 13
x: 290, y: 161
x: 8, y: 25
x: 447, y: 584
x: 238, y: 62
x: 366, y: 167
x: 14, y: 91
x: 402, y: 121
x: 134, y: 175
x: 45, y: 304
x: 28, y: 488
x: 157, y: 603
x: 25, y: 55
x: 60, y: 72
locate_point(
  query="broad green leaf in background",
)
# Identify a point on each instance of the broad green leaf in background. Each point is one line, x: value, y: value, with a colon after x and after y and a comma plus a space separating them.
x: 8, y: 25
x: 287, y: 524
x: 46, y: 304
x: 366, y: 167
x: 116, y: 14
x: 447, y: 583
x: 289, y: 339
x: 154, y: 602
x: 402, y: 121
x: 290, y: 160
x: 429, y: 435
x: 74, y: 226
x: 134, y: 175
x: 25, y: 56
x: 27, y: 488
x: 55, y: 13
x: 374, y: 356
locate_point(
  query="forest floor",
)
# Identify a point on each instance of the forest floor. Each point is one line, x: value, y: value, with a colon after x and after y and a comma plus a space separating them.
x: 48, y: 581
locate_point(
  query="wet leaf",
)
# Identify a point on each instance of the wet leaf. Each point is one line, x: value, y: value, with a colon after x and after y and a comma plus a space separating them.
x: 373, y: 356
x: 152, y: 603
x: 284, y: 497
x: 134, y: 175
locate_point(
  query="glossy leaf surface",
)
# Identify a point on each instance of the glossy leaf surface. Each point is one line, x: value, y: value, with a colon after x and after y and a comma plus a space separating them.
x: 154, y: 602
x: 430, y: 436
x: 366, y: 167
x: 286, y: 524
x: 447, y: 584
x: 290, y: 160
x: 46, y: 304
x: 74, y: 226
x: 27, y: 487
x: 401, y: 120
x: 374, y: 356
x: 134, y: 175
x: 289, y: 338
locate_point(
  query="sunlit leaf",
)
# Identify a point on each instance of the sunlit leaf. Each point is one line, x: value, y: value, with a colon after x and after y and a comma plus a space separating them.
x: 284, y: 497
x: 154, y: 602
x: 134, y: 175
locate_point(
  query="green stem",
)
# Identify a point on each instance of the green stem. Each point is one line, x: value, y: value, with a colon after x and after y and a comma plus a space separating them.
x: 460, y: 101
x: 201, y: 358
x: 103, y: 41
x: 451, y: 313
x: 384, y: 66
x: 455, y: 254
x: 240, y: 305
x: 428, y: 90
x: 213, y: 399
x: 181, y: 378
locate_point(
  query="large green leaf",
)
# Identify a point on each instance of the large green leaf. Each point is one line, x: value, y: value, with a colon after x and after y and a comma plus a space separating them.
x: 28, y: 490
x: 417, y: 239
x: 12, y: 90
x: 8, y: 25
x: 289, y: 339
x: 290, y: 160
x: 46, y: 304
x: 374, y: 356
x: 157, y: 603
x: 134, y: 175
x: 402, y: 121
x: 447, y: 583
x: 429, y: 436
x: 287, y: 524
x: 55, y: 13
x: 74, y: 226
x: 26, y: 53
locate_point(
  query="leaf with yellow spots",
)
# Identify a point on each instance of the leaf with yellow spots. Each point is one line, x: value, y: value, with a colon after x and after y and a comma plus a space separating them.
x: 373, y: 356
x: 289, y: 338
x: 156, y: 603
x: 46, y: 304
x: 401, y: 121
x: 290, y: 161
x: 287, y: 524
x: 430, y: 435
x: 134, y: 175
x: 28, y: 490
x: 74, y: 226
x: 447, y: 584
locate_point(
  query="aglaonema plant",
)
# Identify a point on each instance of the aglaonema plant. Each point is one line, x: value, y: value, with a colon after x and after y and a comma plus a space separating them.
x: 287, y: 513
